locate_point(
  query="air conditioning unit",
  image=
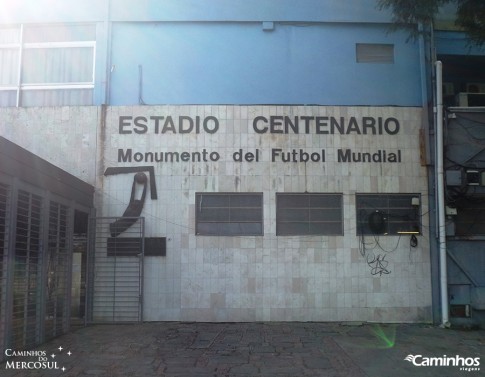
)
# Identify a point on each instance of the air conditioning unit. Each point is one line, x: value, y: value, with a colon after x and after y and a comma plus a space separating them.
x: 473, y: 87
x: 471, y: 99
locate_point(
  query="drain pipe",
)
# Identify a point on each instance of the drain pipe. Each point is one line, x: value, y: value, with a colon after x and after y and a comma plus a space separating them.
x: 441, y: 196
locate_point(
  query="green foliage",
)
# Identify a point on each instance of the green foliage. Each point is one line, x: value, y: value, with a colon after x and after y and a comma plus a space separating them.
x: 471, y: 17
x: 408, y: 14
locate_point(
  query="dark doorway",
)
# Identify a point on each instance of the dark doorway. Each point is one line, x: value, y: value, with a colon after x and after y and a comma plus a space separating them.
x: 463, y: 74
x: 79, y: 259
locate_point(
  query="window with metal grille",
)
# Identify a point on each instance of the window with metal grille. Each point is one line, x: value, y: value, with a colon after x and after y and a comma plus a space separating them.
x: 229, y: 214
x: 388, y: 214
x: 47, y: 65
x: 309, y: 214
x: 27, y: 271
x: 374, y: 53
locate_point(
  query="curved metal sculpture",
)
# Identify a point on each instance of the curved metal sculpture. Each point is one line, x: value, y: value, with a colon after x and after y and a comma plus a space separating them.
x: 134, y: 209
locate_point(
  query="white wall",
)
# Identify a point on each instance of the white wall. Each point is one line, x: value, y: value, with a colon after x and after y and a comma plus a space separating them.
x: 64, y: 136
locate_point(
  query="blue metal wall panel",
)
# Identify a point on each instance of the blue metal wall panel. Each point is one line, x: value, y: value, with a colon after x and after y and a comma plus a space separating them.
x: 194, y: 10
x: 470, y: 258
x: 240, y: 63
x: 455, y: 43
x: 249, y: 10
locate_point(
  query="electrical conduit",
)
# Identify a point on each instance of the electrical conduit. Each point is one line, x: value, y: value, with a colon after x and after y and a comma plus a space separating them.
x: 441, y: 196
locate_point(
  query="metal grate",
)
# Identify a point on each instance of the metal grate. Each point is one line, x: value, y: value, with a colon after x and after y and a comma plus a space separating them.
x: 229, y: 214
x: 115, y: 277
x: 309, y: 214
x: 388, y: 214
x: 27, y: 272
x: 58, y: 267
x: 374, y: 53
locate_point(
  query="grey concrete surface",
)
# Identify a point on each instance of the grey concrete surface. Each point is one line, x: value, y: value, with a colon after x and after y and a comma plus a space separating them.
x: 176, y: 349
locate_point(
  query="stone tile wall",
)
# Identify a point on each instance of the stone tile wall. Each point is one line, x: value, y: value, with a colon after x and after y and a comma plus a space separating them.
x: 280, y: 278
x: 269, y: 277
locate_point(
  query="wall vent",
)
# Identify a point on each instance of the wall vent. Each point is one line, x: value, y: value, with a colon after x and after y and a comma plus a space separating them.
x: 374, y: 53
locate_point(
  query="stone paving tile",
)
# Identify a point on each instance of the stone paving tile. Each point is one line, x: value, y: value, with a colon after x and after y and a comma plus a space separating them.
x: 174, y: 349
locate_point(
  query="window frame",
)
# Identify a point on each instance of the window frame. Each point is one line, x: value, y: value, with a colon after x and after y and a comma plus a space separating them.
x: 227, y: 210
x: 310, y: 223
x: 383, y: 214
x: 20, y: 87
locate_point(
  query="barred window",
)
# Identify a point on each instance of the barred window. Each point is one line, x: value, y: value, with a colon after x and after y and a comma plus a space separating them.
x: 388, y: 214
x: 309, y: 214
x: 229, y: 214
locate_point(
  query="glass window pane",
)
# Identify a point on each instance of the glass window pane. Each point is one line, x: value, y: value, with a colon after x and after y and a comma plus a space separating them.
x: 229, y: 229
x: 57, y: 97
x: 248, y: 229
x: 305, y: 228
x: 400, y: 214
x: 292, y: 228
x: 57, y: 65
x: 397, y: 213
x: 372, y: 201
x: 211, y: 200
x: 9, y: 35
x: 59, y: 33
x: 331, y: 228
x: 9, y: 65
x: 326, y: 201
x: 8, y: 98
x: 245, y: 201
x: 293, y: 214
x: 398, y: 227
x: 245, y: 214
x: 292, y: 201
x: 214, y: 214
x: 229, y: 214
x: 399, y: 201
x: 330, y: 214
x: 309, y: 214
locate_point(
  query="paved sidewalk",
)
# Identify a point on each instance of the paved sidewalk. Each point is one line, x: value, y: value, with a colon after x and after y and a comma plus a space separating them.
x: 269, y: 349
